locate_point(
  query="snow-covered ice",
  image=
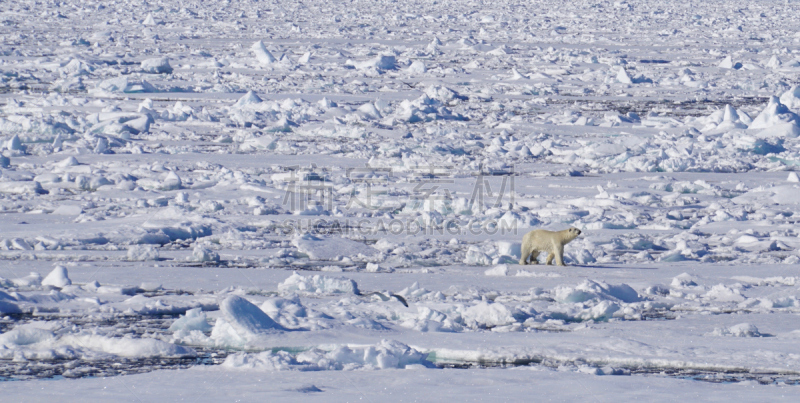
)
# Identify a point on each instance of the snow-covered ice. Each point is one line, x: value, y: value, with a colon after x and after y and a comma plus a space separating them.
x: 290, y: 199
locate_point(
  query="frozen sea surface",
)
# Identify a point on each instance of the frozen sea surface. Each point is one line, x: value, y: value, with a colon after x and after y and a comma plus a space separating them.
x: 322, y: 200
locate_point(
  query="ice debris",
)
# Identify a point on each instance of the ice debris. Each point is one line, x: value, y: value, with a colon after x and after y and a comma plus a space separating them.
x: 157, y: 66
x: 141, y: 253
x: 384, y: 355
x: 241, y: 323
x: 262, y: 54
x: 740, y: 330
x: 57, y: 278
x: 318, y: 284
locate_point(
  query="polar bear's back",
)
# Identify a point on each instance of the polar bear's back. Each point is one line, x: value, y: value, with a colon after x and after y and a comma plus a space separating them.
x: 541, y: 238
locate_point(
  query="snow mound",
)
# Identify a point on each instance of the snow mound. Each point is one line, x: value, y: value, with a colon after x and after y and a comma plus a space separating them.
x: 487, y: 315
x: 175, y: 223
x: 68, y: 162
x: 171, y: 182
x: 14, y: 143
x: 32, y: 280
x: 624, y: 78
x: 728, y: 63
x: 723, y: 293
x: 377, y: 268
x: 121, y: 84
x: 740, y: 330
x: 726, y: 119
x: 369, y: 111
x: 289, y: 312
x: 500, y: 270
x: 22, y: 188
x: 201, y: 254
x: 512, y: 249
x: 380, y: 62
x: 331, y: 248
x: 129, y: 347
x: 684, y: 280
x: 194, y: 319
x: 262, y: 54
x: 791, y: 98
x: 424, y: 109
x: 7, y: 307
x: 476, y: 257
x: 444, y: 94
x: 417, y: 67
x: 149, y: 20
x: 775, y: 113
x: 57, y: 278
x: 142, y: 253
x: 76, y: 67
x: 248, y: 99
x: 384, y: 355
x: 158, y: 65
x: 603, y: 311
x: 241, y: 323
x: 24, y: 336
x: 35, y: 343
x: 779, y: 131
x: 771, y: 281
x: 258, y: 143
x: 318, y: 284
x: 117, y: 124
x: 589, y: 290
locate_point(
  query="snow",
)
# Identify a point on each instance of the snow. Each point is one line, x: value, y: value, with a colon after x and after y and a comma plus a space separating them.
x: 597, y: 290
x: 57, y: 278
x: 329, y: 248
x: 387, y: 354
x: 318, y: 284
x: 728, y: 63
x: 300, y: 200
x: 243, y: 319
x: 500, y: 270
x: 262, y: 54
x: 774, y: 113
x: 740, y: 330
x: 380, y: 62
x: 248, y: 99
x: 488, y: 315
x: 37, y: 343
x: 194, y: 319
x: 157, y: 66
x: 201, y: 254
x: 142, y: 253
x: 414, y: 384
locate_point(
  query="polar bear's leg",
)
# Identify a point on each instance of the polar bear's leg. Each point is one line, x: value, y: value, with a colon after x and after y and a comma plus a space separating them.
x: 550, y: 257
x: 534, y: 257
x: 559, y: 252
x: 523, y: 259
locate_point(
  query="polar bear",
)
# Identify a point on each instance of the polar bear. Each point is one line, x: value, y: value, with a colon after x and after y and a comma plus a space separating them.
x: 552, y: 242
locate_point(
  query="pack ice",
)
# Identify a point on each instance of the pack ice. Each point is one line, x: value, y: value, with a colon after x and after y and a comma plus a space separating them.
x: 333, y: 196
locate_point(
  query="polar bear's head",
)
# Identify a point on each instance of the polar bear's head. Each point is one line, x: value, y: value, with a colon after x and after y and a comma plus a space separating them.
x: 571, y: 234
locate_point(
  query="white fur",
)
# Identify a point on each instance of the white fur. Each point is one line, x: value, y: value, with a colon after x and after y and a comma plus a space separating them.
x: 552, y: 242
